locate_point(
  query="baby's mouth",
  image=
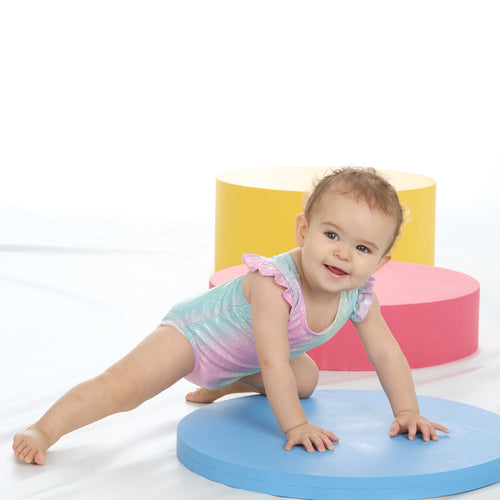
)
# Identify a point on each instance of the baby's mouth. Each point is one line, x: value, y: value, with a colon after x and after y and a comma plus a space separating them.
x: 339, y: 273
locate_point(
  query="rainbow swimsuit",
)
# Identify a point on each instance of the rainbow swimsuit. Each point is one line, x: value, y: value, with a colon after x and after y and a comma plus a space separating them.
x: 218, y: 322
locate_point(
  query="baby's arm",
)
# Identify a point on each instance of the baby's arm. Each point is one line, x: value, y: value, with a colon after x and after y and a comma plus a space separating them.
x: 270, y: 314
x: 395, y: 376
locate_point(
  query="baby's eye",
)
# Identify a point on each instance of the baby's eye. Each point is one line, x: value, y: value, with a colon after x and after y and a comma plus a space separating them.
x: 332, y: 235
x: 363, y: 248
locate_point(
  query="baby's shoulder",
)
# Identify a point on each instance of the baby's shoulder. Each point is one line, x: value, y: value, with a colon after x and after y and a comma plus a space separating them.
x: 255, y: 282
x: 278, y: 274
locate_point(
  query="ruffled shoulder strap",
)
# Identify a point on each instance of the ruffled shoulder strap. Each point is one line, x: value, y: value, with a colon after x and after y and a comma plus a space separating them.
x: 363, y: 301
x: 282, y: 267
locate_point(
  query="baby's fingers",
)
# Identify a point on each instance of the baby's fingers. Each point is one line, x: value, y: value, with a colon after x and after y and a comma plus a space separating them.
x: 331, y: 436
x: 427, y: 431
x: 320, y: 441
x: 418, y: 425
x: 440, y: 427
x: 395, y: 429
x: 304, y: 441
x: 299, y: 441
x: 437, y: 427
x: 412, y: 430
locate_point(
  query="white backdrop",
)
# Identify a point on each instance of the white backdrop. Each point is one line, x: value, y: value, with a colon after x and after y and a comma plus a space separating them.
x: 115, y: 118
x: 132, y: 107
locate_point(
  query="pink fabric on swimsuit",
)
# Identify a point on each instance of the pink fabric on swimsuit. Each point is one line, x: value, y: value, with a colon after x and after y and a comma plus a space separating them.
x: 218, y: 322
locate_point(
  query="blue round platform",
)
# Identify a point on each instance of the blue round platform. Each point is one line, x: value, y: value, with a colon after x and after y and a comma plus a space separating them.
x: 238, y: 442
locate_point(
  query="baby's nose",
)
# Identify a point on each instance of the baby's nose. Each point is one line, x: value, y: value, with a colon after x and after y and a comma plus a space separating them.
x: 342, y: 252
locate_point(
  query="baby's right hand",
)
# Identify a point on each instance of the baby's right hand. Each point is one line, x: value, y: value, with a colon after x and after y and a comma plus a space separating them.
x: 310, y: 436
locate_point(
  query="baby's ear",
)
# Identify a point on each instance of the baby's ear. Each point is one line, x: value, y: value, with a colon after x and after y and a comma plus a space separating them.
x: 300, y: 229
x: 383, y: 261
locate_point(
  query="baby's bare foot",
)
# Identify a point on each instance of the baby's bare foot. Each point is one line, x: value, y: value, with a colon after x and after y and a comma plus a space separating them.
x: 203, y: 395
x: 31, y: 445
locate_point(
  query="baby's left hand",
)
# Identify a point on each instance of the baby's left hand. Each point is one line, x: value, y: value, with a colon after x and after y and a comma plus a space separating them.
x: 412, y: 422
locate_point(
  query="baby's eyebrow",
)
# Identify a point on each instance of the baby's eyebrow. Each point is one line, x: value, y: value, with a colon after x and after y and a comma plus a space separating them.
x: 331, y: 224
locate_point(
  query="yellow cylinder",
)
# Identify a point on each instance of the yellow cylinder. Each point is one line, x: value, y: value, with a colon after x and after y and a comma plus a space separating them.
x: 256, y: 210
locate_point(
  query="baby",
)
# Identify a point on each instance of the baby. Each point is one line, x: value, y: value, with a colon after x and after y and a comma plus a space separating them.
x: 252, y: 333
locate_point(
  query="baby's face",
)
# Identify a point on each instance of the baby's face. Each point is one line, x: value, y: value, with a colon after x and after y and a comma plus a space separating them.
x: 343, y: 243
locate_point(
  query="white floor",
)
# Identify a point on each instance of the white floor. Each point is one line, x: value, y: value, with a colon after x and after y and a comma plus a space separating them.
x: 78, y: 294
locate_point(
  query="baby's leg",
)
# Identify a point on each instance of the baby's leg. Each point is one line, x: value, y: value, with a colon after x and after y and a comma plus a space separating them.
x: 304, y: 368
x: 306, y: 375
x: 159, y: 361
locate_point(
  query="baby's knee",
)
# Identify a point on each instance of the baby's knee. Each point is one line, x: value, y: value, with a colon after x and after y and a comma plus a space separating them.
x: 119, y: 391
x: 306, y: 388
x: 308, y: 378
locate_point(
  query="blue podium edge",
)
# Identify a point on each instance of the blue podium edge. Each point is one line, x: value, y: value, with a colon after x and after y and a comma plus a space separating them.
x: 319, y: 487
x: 349, y: 488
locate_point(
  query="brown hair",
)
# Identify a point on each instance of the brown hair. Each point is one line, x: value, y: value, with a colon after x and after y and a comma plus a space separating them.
x: 363, y: 184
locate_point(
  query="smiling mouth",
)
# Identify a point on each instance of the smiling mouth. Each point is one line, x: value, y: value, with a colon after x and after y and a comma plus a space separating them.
x: 336, y: 272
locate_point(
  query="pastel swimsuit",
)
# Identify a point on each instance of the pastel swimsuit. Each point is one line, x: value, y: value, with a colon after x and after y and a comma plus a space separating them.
x: 218, y: 322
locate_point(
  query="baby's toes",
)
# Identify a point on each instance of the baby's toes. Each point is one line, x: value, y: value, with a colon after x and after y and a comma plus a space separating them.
x: 28, y: 457
x: 16, y: 445
x: 19, y: 449
x: 39, y: 458
x: 25, y: 454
